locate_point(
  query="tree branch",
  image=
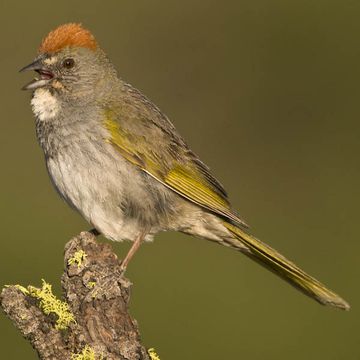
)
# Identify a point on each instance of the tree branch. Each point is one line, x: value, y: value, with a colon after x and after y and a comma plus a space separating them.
x: 95, y: 311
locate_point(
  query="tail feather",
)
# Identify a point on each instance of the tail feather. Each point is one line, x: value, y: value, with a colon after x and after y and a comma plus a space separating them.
x: 278, y: 264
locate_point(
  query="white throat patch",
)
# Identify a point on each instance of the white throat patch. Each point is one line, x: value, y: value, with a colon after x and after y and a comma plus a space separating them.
x: 44, y: 105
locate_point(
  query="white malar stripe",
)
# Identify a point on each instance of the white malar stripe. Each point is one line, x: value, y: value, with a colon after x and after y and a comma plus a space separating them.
x: 44, y: 105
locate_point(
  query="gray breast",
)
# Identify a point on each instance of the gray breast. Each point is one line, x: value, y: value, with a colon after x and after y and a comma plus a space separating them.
x: 116, y: 197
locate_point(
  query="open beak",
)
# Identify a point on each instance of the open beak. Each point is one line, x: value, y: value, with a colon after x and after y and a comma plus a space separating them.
x: 45, y: 75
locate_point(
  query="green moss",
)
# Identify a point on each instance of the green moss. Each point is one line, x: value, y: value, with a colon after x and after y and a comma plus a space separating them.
x: 153, y: 355
x: 78, y: 258
x: 50, y: 304
x: 86, y: 354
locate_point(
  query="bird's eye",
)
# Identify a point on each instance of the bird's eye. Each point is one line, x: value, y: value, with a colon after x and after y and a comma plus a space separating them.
x: 68, y: 63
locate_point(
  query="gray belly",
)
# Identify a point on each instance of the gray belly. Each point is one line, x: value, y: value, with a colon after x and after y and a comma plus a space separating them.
x: 113, y: 195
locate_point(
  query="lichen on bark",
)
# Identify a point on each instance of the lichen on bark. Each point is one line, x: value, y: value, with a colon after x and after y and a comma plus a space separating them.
x: 96, y: 299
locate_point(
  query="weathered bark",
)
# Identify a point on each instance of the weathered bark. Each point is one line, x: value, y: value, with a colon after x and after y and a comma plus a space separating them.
x: 98, y: 298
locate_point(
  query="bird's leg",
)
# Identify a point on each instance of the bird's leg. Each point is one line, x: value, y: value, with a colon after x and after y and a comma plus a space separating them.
x: 106, y: 284
x: 95, y: 232
x: 135, y: 246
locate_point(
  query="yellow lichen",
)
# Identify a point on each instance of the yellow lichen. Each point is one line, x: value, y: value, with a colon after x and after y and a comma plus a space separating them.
x: 153, y: 355
x: 91, y: 284
x: 50, y: 304
x: 86, y: 354
x: 23, y: 289
x: 78, y: 258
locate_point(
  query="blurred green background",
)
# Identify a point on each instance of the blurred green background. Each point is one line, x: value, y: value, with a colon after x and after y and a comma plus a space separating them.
x: 267, y: 93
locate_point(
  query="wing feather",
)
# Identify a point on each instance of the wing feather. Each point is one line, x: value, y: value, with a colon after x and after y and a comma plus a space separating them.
x: 159, y: 151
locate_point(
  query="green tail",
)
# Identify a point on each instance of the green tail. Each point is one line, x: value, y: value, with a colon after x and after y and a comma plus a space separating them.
x: 284, y: 268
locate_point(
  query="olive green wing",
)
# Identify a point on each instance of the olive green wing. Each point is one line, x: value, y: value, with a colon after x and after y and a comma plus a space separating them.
x: 189, y: 182
x: 159, y: 151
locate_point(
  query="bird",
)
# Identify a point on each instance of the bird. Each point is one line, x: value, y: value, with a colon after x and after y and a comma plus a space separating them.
x: 118, y: 160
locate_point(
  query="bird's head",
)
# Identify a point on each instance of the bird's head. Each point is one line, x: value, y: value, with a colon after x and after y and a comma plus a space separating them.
x: 69, y: 62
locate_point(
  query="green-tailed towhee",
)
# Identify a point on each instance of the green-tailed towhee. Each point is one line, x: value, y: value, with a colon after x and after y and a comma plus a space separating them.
x: 119, y: 161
